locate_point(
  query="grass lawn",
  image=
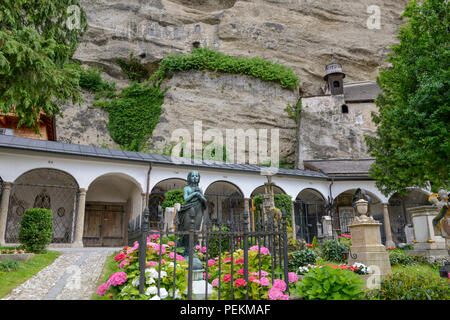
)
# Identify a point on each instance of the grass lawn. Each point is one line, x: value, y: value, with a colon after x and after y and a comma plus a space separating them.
x: 424, y: 269
x: 10, y: 280
x: 109, y: 267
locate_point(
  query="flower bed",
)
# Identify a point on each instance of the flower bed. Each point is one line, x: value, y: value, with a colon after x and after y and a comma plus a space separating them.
x: 124, y: 285
x: 357, y: 268
x: 262, y: 283
x: 15, y: 254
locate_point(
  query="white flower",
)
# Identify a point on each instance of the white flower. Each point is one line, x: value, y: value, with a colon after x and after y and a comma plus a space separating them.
x: 155, y: 298
x: 135, y: 282
x: 177, y: 294
x: 151, y: 272
x: 151, y: 291
x: 163, y: 293
x: 150, y: 281
x: 163, y: 274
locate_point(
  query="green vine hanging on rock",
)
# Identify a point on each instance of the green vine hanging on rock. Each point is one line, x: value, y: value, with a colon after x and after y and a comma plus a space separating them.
x: 134, y: 113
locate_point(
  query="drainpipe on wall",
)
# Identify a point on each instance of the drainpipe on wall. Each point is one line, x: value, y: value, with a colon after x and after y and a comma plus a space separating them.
x: 148, y: 184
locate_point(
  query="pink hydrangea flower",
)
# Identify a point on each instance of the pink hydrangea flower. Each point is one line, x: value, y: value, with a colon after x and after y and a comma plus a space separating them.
x: 240, y: 282
x: 204, y: 276
x: 179, y: 258
x: 285, y: 297
x: 198, y: 247
x: 215, y: 282
x: 293, y: 278
x: 101, y: 290
x: 211, y: 262
x: 117, y: 279
x: 227, y: 277
x: 171, y: 243
x: 275, y: 294
x: 152, y: 263
x: 264, y: 281
x: 123, y: 264
x: 204, y: 249
x: 135, y: 247
x: 263, y: 250
x: 263, y: 273
x: 279, y: 284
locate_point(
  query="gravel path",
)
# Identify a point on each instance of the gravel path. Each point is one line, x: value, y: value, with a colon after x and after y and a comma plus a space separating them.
x: 72, y: 276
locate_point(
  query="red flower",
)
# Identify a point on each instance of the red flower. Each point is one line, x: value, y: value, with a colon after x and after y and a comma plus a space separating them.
x: 227, y: 277
x: 120, y: 257
x: 227, y: 259
x: 240, y: 261
x: 240, y: 282
x: 309, y: 245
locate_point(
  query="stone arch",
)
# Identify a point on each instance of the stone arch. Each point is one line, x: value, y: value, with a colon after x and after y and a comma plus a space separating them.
x: 156, y: 196
x: 344, y: 213
x: 225, y: 201
x: 309, y: 208
x: 260, y: 190
x: 46, y: 188
x: 399, y: 217
x: 112, y: 200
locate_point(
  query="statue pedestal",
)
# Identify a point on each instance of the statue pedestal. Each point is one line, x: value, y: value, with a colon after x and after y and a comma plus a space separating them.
x: 199, y: 286
x: 426, y: 242
x: 366, y: 245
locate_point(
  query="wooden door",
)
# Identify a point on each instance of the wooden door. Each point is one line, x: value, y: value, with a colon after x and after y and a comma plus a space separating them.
x: 103, y: 226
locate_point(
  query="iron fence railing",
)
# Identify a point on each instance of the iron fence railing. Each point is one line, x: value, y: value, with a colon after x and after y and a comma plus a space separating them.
x: 268, y: 233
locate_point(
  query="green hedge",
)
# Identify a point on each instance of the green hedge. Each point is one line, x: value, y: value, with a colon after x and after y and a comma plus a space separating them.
x: 207, y: 59
x: 172, y: 197
x: 282, y: 202
x: 36, y: 230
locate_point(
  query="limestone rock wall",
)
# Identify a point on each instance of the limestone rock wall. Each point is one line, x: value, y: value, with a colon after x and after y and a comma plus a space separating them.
x: 297, y: 33
x: 84, y: 124
x: 325, y: 132
x: 224, y: 101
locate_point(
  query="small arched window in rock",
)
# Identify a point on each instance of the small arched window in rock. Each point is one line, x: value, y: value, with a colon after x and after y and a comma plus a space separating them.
x: 197, y: 28
x: 344, y: 108
x: 196, y: 44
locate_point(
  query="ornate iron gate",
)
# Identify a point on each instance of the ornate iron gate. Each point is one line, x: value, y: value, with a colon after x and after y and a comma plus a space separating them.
x: 62, y: 199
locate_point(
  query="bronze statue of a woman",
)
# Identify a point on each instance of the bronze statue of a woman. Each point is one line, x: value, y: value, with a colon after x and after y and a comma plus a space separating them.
x: 195, y: 203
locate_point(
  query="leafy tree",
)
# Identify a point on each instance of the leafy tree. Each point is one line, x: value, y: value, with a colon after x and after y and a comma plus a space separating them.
x: 37, y: 39
x: 412, y: 145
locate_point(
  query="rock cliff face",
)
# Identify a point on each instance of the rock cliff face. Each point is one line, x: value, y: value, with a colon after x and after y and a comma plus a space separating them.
x: 224, y: 102
x: 297, y: 33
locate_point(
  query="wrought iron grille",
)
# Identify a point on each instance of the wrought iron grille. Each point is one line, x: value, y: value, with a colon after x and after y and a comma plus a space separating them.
x: 308, y: 218
x: 270, y: 232
x: 62, y: 200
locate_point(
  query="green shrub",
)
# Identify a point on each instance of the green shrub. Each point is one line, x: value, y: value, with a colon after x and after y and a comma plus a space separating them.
x: 134, y: 114
x: 405, y: 286
x: 91, y: 80
x: 333, y: 250
x: 282, y: 202
x: 172, y: 197
x: 399, y: 257
x: 207, y: 59
x: 301, y: 258
x: 9, y: 265
x: 134, y: 70
x: 315, y: 244
x: 327, y: 283
x: 36, y: 229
